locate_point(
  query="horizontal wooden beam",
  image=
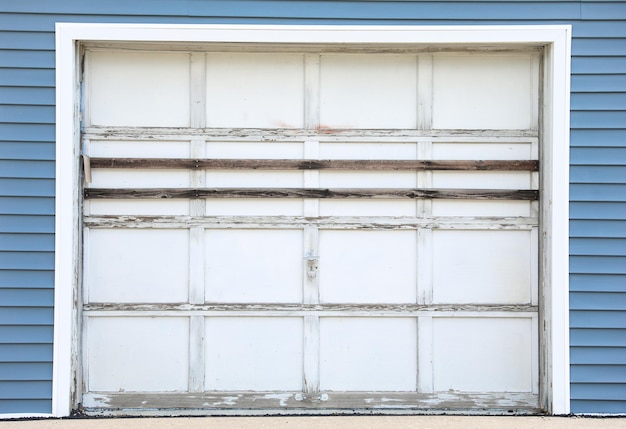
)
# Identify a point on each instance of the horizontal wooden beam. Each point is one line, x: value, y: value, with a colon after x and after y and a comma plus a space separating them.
x: 325, y: 402
x: 356, y: 193
x: 324, y: 222
x: 373, y: 309
x: 311, y: 164
x: 298, y: 134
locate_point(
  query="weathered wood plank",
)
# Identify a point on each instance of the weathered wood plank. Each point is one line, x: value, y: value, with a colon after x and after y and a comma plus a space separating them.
x: 344, y: 222
x: 291, y: 134
x: 352, y: 193
x: 312, y: 164
x: 511, y: 402
x: 395, y: 309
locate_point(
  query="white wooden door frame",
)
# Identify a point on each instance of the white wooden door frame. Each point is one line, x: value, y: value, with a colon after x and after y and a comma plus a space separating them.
x: 554, y: 354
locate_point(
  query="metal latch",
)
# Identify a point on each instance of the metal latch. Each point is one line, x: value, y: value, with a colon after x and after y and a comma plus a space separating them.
x: 312, y: 262
x: 311, y: 397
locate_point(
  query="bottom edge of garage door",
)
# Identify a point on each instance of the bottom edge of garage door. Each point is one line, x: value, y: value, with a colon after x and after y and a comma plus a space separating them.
x: 266, y: 403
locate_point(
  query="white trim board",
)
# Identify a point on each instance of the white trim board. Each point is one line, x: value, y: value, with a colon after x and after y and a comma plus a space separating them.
x: 555, y: 158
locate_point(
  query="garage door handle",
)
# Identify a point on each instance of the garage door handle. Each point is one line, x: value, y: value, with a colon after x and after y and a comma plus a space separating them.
x: 311, y: 266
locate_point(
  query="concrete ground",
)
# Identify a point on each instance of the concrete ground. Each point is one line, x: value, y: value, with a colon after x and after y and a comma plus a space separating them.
x: 343, y: 422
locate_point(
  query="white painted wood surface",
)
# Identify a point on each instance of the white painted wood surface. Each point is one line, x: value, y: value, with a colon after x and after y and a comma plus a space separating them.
x: 229, y: 274
x: 253, y: 353
x: 138, y: 88
x: 137, y: 354
x: 473, y: 91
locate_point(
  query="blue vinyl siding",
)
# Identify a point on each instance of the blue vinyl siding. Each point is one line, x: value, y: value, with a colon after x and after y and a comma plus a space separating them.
x: 598, y: 158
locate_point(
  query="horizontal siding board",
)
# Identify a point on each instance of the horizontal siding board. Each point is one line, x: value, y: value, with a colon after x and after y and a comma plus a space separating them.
x: 598, y: 355
x: 27, y: 224
x: 20, y: 334
x: 598, y: 373
x: 26, y: 260
x: 598, y: 155
x: 26, y: 187
x: 601, y: 119
x: 611, y: 301
x: 597, y: 210
x: 599, y: 82
x: 19, y: 297
x: 27, y: 77
x: 598, y: 65
x: 27, y: 206
x: 599, y: 101
x: 25, y: 95
x: 597, y: 283
x: 600, y: 138
x: 38, y: 151
x: 596, y: 264
x: 25, y: 389
x: 27, y: 371
x: 590, y: 247
x: 598, y: 407
x: 26, y: 352
x: 27, y: 114
x: 26, y: 316
x: 25, y: 406
x: 27, y: 169
x: 26, y: 59
x: 581, y: 192
x: 598, y: 391
x: 603, y: 10
x: 26, y: 40
x: 594, y: 174
x: 599, y: 47
x: 27, y: 132
x: 598, y: 319
x: 597, y: 337
x: 26, y: 279
x: 26, y: 242
x: 312, y: 9
x: 598, y: 29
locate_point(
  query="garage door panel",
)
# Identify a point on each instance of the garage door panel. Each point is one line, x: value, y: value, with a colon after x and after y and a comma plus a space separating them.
x: 125, y: 265
x: 481, y: 151
x: 368, y: 91
x: 483, y: 354
x: 254, y: 353
x: 481, y: 179
x: 370, y: 179
x: 367, y: 266
x: 487, y: 267
x: 255, y: 90
x: 367, y: 208
x: 171, y: 207
x: 139, y: 89
x: 254, y: 179
x: 254, y: 150
x: 254, y: 207
x: 264, y: 303
x: 482, y: 92
x: 368, y: 354
x: 138, y: 149
x: 481, y: 208
x: 362, y: 150
x: 148, y: 354
x: 254, y: 265
x: 139, y: 178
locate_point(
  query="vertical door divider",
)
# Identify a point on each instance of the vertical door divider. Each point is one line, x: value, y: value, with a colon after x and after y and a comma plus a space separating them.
x: 424, y: 235
x: 311, y: 208
x: 197, y: 207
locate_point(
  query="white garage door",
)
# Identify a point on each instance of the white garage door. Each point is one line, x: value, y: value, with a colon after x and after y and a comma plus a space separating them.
x: 319, y: 231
